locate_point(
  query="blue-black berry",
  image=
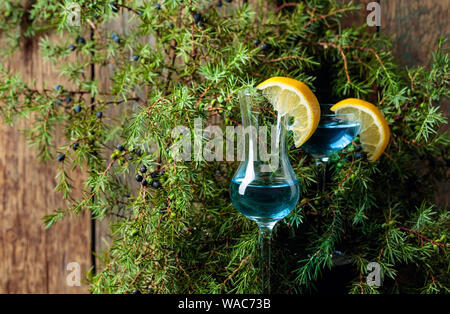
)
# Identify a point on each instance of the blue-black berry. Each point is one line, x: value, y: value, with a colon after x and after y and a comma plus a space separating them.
x: 161, y: 172
x: 144, y: 182
x: 59, y: 102
x: 156, y: 184
x: 143, y: 169
x: 157, y: 6
x: 77, y: 109
x: 81, y: 40
x: 99, y: 114
x: 96, y: 16
x: 219, y: 3
x: 129, y: 157
x: 197, y: 17
x: 360, y: 155
x: 137, y: 292
x: 229, y: 1
x: 75, y: 146
x: 200, y: 24
x: 60, y: 157
x: 114, y: 7
x: 58, y: 87
x: 139, y: 152
x: 68, y: 99
x: 115, y: 37
x: 136, y: 57
x: 140, y: 12
x: 72, y: 47
x: 256, y: 42
x: 120, y: 147
x: 263, y: 47
x: 154, y: 174
x: 297, y: 38
x: 139, y: 178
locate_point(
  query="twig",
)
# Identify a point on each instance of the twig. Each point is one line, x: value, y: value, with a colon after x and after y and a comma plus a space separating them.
x: 127, y: 7
x: 347, y: 175
x: 203, y: 94
x: 172, y: 57
x: 345, y: 64
x: 284, y: 58
x: 341, y: 51
x: 285, y: 5
x: 94, y: 28
x: 236, y: 270
x: 123, y: 100
x: 422, y: 237
x: 324, y: 16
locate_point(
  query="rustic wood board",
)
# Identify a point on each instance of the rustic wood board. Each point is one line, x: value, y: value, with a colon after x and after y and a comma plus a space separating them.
x: 415, y: 26
x: 359, y: 18
x: 32, y: 259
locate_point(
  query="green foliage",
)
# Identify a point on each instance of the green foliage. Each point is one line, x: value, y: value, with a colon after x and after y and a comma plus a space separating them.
x: 186, y: 237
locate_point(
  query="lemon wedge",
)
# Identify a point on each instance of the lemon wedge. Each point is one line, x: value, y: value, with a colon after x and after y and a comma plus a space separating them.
x: 293, y: 98
x: 374, y: 134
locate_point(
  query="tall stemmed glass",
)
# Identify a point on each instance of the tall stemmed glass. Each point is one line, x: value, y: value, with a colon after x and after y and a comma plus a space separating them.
x: 334, y: 132
x: 264, y: 188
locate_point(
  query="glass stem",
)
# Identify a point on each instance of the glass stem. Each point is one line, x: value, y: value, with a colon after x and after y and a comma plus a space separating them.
x: 323, y: 175
x: 265, y: 236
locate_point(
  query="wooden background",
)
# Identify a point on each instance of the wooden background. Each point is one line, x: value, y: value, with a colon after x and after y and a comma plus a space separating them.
x: 34, y: 260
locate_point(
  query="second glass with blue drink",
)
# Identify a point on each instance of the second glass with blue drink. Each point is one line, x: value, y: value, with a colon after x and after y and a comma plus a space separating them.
x: 334, y: 132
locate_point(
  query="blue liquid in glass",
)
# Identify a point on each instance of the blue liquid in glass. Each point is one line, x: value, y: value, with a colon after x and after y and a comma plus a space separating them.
x: 331, y: 137
x: 263, y: 201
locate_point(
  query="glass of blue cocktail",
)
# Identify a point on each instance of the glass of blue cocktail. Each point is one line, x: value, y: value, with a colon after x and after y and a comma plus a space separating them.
x: 264, y: 188
x: 334, y: 132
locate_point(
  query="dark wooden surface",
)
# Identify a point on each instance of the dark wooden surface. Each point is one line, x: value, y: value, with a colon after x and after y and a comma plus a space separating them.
x: 415, y: 26
x: 33, y: 260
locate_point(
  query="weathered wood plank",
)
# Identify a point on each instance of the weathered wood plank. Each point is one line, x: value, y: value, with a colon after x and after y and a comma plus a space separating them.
x: 32, y: 259
x: 415, y: 26
x: 360, y: 17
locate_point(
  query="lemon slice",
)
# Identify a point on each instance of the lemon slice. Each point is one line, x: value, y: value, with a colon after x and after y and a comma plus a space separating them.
x: 293, y: 98
x: 374, y: 134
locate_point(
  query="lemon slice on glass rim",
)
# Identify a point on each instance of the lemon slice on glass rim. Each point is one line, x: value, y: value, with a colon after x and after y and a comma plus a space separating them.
x: 295, y: 99
x: 374, y: 135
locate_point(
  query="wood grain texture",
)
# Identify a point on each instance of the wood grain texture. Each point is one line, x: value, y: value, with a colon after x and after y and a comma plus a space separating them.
x: 415, y: 26
x: 358, y: 18
x: 32, y: 259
